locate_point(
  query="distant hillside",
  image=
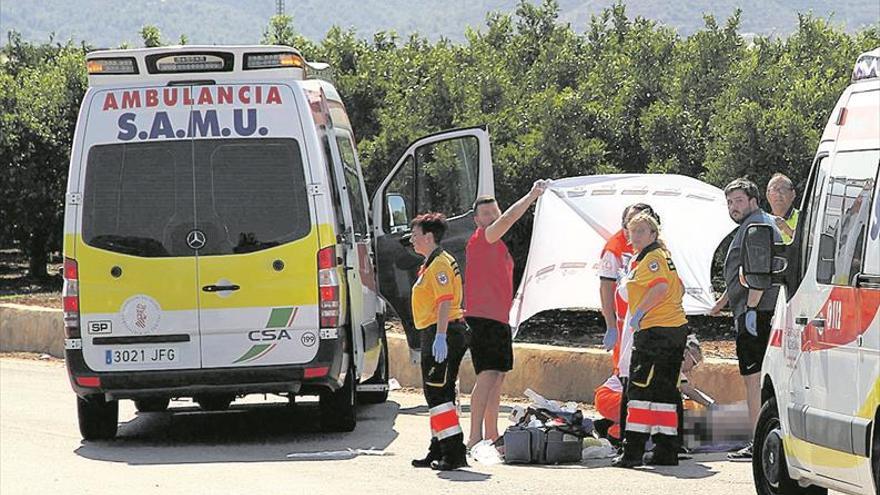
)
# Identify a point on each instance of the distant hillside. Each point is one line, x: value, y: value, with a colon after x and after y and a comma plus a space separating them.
x: 107, y: 23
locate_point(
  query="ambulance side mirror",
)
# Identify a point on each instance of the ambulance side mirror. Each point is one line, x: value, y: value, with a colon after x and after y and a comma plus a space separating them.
x: 398, y: 217
x: 760, y: 260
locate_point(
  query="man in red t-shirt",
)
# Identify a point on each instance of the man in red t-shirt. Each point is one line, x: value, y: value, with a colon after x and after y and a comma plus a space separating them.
x: 488, y: 293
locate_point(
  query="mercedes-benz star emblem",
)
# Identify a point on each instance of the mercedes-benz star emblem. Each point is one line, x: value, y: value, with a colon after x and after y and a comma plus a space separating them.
x: 195, y: 239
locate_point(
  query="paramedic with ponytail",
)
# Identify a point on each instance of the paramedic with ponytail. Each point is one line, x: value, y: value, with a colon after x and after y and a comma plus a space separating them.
x: 439, y: 318
x: 659, y: 327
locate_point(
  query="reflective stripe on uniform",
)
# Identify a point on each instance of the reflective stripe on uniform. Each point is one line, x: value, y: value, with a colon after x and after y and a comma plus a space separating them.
x: 652, y: 417
x: 444, y: 421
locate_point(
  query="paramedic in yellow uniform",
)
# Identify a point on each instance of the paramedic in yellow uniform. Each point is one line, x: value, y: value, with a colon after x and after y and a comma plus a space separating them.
x: 659, y: 330
x: 438, y: 316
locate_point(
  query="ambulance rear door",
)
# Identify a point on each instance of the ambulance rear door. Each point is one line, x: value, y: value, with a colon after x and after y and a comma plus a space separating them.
x: 137, y: 269
x: 257, y: 267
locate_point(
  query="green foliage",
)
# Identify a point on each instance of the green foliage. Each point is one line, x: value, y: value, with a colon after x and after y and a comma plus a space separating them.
x: 151, y: 36
x: 41, y: 87
x: 621, y: 93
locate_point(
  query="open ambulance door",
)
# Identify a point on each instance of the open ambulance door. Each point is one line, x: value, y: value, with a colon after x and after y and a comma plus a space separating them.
x: 443, y: 172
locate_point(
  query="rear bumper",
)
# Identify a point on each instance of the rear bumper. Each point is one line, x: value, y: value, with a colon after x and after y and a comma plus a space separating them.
x: 192, y: 382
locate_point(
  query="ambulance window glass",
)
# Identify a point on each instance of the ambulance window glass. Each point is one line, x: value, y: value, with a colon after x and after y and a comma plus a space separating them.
x: 251, y: 194
x: 402, y: 185
x: 333, y: 186
x: 847, y: 212
x: 138, y: 197
x: 810, y: 212
x: 353, y: 185
x: 447, y: 175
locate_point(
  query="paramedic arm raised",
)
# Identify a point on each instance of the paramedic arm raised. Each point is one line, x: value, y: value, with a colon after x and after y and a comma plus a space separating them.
x: 515, y: 212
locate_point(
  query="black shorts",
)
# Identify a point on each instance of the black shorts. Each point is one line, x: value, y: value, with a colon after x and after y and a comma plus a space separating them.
x: 491, y: 345
x: 750, y: 350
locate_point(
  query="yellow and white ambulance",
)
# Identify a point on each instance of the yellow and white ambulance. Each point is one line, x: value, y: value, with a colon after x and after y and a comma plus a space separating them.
x: 819, y: 426
x: 219, y: 240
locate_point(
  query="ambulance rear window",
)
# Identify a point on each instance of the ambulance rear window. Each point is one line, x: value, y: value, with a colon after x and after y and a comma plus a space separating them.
x: 243, y: 195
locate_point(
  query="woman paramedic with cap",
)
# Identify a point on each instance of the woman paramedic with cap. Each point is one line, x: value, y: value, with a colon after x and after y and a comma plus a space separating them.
x: 439, y: 318
x: 658, y: 322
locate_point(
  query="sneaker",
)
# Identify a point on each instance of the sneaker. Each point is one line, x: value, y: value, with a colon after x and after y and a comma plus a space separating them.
x: 744, y: 454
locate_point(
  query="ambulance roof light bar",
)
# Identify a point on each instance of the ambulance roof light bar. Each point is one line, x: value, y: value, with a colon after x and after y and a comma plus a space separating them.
x: 189, y: 61
x: 867, y: 66
x: 171, y: 64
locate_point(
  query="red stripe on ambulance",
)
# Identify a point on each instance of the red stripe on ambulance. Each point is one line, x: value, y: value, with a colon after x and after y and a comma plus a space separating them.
x: 847, y: 313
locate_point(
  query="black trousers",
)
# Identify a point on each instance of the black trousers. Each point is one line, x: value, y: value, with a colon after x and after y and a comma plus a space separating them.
x: 653, y: 398
x: 438, y: 379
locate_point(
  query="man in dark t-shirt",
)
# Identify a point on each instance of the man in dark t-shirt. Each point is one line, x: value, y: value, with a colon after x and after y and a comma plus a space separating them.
x: 752, y: 309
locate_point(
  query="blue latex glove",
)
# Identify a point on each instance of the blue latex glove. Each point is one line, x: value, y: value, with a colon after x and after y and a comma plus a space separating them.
x: 752, y: 322
x: 636, y: 319
x: 439, y: 349
x: 610, y: 338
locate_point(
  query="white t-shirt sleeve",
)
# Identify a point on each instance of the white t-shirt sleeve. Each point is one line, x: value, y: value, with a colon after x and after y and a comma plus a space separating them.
x: 609, y: 266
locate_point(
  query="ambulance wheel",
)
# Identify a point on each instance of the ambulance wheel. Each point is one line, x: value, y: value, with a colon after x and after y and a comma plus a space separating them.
x: 98, y: 418
x: 379, y: 378
x: 215, y: 402
x: 769, y: 467
x: 152, y: 404
x: 339, y: 409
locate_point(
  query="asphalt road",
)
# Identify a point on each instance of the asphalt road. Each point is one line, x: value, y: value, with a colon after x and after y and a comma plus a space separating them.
x: 246, y: 450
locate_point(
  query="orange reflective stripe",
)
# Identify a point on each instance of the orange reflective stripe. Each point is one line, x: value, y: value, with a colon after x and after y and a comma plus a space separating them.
x: 444, y: 421
x: 652, y: 417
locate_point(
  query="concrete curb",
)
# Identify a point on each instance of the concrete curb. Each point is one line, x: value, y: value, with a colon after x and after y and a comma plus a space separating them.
x: 566, y: 373
x: 560, y: 373
x: 31, y: 329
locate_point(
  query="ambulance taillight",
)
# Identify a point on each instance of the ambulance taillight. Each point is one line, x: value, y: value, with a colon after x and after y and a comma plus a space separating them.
x: 328, y: 288
x: 70, y: 298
